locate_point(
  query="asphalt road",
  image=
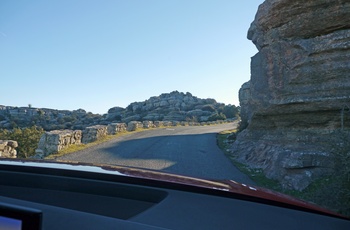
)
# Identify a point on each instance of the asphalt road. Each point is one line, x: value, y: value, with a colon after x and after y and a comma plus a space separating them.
x: 190, y: 151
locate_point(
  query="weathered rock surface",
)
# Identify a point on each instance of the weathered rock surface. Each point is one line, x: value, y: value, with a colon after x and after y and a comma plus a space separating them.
x: 147, y: 124
x: 8, y: 148
x: 93, y: 133
x: 114, y: 128
x: 56, y: 140
x: 115, y: 113
x: 134, y: 125
x: 296, y: 104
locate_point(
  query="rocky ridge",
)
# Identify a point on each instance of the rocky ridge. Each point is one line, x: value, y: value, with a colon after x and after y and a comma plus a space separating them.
x: 48, y: 119
x: 174, y: 106
x: 296, y: 105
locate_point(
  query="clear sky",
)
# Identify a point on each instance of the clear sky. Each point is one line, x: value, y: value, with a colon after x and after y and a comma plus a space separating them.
x: 97, y: 54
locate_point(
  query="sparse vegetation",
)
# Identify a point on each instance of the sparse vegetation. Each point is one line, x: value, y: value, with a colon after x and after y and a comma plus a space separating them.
x: 27, y: 138
x: 230, y: 111
x: 217, y: 117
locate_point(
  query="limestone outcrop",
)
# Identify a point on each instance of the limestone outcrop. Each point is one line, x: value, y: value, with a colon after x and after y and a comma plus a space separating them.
x: 56, y: 140
x: 8, y: 148
x: 297, y: 102
x: 174, y: 106
x: 48, y: 119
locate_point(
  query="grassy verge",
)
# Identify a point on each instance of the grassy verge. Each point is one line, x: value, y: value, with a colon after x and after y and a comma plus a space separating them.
x: 331, y: 192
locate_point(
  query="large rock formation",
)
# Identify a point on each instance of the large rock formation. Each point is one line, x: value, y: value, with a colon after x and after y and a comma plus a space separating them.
x: 174, y: 106
x: 296, y: 104
x: 48, y: 119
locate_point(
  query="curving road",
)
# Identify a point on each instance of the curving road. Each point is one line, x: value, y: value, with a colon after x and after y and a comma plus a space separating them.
x: 190, y: 151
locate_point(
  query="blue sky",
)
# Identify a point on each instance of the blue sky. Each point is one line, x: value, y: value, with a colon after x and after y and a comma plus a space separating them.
x: 94, y: 55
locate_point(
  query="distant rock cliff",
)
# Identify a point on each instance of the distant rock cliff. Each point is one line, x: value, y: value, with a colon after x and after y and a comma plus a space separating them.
x: 174, y: 106
x: 296, y: 104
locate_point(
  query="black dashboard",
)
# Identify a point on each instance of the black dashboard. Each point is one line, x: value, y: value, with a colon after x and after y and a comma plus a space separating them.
x: 71, y: 199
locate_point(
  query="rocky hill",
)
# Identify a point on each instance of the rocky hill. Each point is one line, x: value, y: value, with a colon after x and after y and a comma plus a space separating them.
x: 297, y: 102
x: 174, y: 106
x: 48, y: 119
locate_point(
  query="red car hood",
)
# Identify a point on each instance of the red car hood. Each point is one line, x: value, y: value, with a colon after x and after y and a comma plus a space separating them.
x: 225, y: 186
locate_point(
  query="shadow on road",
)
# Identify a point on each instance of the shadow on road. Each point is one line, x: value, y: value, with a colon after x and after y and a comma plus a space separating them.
x: 195, y: 155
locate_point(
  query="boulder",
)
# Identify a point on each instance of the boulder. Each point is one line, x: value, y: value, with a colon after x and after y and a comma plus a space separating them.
x: 175, y: 116
x: 167, y: 123
x: 56, y: 140
x: 184, y: 123
x: 134, y: 125
x: 153, y: 117
x: 8, y: 148
x: 296, y: 104
x: 198, y: 113
x: 131, y: 118
x: 116, y: 109
x: 147, y: 124
x: 93, y: 133
x: 176, y: 123
x: 158, y: 123
x: 115, y: 128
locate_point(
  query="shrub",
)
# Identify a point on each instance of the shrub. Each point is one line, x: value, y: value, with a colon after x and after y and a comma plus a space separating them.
x: 216, y: 117
x: 209, y: 108
x: 230, y: 111
x: 2, y: 118
x: 27, y: 138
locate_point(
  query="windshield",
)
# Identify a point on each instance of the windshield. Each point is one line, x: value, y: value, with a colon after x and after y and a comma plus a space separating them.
x: 208, y: 89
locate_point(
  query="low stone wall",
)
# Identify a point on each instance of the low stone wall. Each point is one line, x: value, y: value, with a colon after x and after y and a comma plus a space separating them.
x: 134, y: 125
x: 148, y: 124
x: 114, y: 128
x: 93, y: 133
x: 8, y: 148
x: 158, y: 123
x: 54, y: 141
x: 167, y: 123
